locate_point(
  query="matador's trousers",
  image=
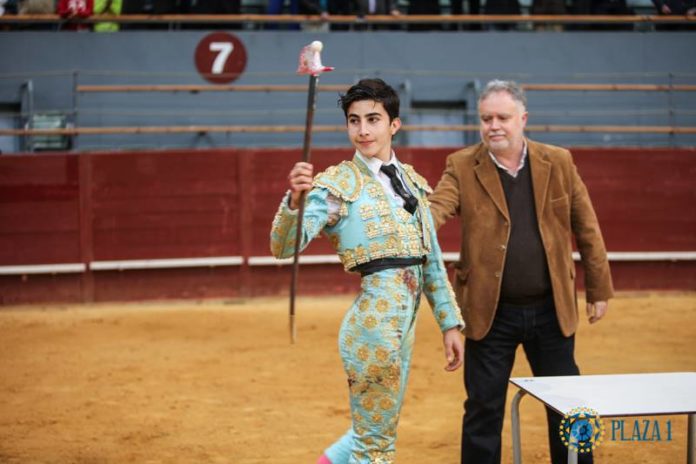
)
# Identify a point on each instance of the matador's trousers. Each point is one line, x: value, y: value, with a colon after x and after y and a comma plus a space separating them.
x: 375, y: 343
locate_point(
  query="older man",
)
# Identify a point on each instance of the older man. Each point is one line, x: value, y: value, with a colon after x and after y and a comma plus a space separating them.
x: 520, y: 203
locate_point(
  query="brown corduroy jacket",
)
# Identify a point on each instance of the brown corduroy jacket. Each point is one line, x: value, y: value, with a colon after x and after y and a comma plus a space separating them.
x: 470, y: 188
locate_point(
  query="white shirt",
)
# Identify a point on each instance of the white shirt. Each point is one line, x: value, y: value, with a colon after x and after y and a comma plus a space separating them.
x: 519, y: 168
x: 374, y: 164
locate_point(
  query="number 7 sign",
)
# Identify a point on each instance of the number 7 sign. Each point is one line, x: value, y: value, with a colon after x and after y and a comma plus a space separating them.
x: 220, y: 57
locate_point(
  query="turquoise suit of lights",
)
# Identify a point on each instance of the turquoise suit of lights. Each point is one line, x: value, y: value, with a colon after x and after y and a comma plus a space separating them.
x: 377, y: 332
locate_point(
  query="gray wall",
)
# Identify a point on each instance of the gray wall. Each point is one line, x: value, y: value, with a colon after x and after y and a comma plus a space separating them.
x: 431, y: 70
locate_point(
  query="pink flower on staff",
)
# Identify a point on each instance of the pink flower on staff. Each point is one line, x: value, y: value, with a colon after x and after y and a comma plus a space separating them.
x: 310, y: 60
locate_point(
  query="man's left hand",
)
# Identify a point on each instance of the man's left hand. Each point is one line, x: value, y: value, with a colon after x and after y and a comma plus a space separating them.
x: 596, y: 310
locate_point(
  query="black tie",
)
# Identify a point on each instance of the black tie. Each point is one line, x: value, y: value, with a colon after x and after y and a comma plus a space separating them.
x: 410, y: 202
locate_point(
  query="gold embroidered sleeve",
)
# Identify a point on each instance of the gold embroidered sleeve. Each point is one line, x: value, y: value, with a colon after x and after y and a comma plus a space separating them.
x: 283, y: 230
x: 437, y: 286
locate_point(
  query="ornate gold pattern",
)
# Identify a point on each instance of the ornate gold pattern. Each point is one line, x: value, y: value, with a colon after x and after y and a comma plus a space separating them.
x: 381, y: 354
x: 386, y: 403
x: 383, y: 208
x: 374, y: 190
x: 416, y: 178
x: 376, y: 336
x: 382, y: 305
x: 344, y: 181
x: 367, y: 211
x: 376, y: 229
x: 370, y: 322
x: 281, y: 229
x: 363, y: 353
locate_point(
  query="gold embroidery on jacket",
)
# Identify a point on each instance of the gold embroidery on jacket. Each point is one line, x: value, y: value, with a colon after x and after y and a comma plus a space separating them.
x: 344, y: 181
x: 416, y: 178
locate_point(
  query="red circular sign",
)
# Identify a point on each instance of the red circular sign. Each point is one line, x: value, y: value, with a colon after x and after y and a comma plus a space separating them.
x: 220, y: 57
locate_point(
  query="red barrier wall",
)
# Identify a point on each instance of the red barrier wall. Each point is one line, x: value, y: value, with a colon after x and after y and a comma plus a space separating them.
x: 94, y: 207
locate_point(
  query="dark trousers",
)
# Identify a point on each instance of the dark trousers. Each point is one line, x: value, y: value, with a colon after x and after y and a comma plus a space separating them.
x: 487, y: 366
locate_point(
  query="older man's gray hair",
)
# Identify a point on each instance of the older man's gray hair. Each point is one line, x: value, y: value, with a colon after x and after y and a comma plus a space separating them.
x: 511, y: 87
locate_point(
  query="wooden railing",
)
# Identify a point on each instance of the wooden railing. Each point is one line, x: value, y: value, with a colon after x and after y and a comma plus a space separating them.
x: 351, y: 19
x: 267, y: 129
x: 206, y: 88
x: 343, y: 88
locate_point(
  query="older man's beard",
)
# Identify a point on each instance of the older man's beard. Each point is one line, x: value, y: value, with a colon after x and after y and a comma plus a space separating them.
x: 500, y: 143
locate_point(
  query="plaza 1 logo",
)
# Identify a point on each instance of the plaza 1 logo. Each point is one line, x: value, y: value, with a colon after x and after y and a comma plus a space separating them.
x: 582, y: 430
x: 641, y: 430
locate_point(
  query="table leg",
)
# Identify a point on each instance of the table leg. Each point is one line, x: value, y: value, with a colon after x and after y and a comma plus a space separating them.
x: 691, y: 440
x: 516, y: 444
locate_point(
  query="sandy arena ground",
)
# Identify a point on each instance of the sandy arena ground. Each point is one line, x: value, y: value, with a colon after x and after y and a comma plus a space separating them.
x: 218, y: 382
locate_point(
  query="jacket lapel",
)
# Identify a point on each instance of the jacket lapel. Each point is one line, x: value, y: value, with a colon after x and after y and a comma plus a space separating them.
x: 487, y: 175
x: 541, y: 173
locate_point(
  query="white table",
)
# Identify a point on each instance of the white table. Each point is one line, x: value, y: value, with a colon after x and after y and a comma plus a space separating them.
x: 611, y: 396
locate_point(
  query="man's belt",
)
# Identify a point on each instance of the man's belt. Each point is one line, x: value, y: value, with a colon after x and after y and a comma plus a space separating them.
x: 381, y: 264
